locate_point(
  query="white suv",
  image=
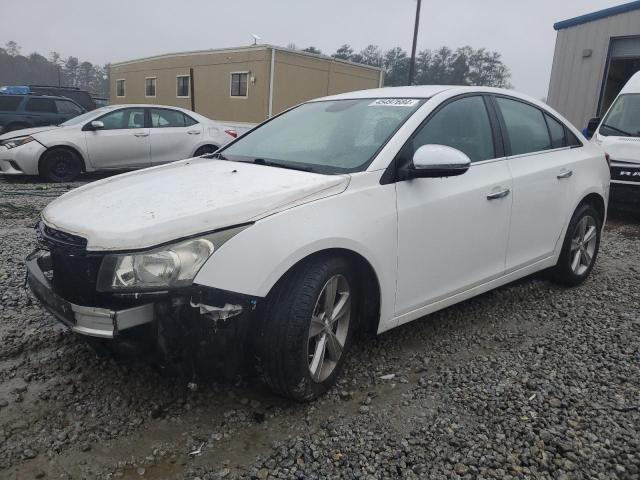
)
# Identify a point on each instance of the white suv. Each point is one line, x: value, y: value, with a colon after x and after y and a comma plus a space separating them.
x: 116, y: 137
x: 367, y: 209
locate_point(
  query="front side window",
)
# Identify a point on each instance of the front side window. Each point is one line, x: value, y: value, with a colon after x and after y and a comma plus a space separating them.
x: 526, y: 127
x: 120, y: 88
x: 462, y: 124
x: 337, y: 136
x: 182, y: 86
x: 163, y: 117
x: 123, y: 119
x: 67, y: 107
x: 150, y: 87
x: 623, y: 118
x: 41, y: 105
x: 239, y: 84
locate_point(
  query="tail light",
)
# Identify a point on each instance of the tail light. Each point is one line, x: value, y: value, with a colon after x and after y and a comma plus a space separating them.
x: 231, y: 132
x: 608, y: 159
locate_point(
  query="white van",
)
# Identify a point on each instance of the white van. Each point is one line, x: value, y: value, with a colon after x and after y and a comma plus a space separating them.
x: 619, y: 134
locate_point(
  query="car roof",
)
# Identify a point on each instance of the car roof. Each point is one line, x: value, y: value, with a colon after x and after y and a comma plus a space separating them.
x: 420, y: 91
x: 31, y: 95
x: 632, y: 85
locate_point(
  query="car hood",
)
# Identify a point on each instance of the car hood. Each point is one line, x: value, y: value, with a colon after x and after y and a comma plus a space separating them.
x: 27, y: 131
x: 149, y: 207
x: 621, y: 149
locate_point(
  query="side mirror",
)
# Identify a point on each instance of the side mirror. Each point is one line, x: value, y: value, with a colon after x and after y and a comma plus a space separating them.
x: 432, y: 161
x: 96, y: 125
x: 592, y: 126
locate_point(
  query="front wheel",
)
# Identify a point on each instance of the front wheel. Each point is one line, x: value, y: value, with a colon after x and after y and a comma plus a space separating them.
x: 580, y: 247
x: 204, y: 150
x: 306, y: 329
x: 60, y: 165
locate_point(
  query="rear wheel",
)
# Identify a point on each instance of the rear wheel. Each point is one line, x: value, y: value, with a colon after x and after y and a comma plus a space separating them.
x: 306, y: 329
x: 60, y: 165
x: 580, y: 247
x: 203, y: 150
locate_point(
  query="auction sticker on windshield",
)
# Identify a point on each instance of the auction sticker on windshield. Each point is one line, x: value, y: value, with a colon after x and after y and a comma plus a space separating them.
x: 394, y: 102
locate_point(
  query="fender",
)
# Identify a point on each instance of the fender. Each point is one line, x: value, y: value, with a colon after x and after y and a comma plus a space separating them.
x: 365, y: 223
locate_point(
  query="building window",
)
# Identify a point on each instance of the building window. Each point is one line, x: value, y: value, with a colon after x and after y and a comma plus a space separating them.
x: 119, y: 88
x: 182, y: 86
x: 239, y: 84
x: 150, y: 87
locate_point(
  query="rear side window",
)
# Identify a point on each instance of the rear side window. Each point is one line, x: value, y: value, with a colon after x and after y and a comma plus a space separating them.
x: 161, y: 118
x: 556, y: 129
x: 526, y: 127
x: 463, y: 124
x: 42, y: 105
x: 9, y: 104
x: 65, y: 106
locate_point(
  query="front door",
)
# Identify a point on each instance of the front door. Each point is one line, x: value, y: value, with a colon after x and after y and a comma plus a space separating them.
x: 122, y: 143
x: 452, y: 232
x: 174, y: 135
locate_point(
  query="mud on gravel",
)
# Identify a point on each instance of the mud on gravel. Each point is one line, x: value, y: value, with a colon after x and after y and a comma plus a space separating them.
x: 529, y: 381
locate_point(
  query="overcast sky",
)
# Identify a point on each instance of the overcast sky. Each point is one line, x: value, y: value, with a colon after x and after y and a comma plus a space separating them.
x: 115, y: 30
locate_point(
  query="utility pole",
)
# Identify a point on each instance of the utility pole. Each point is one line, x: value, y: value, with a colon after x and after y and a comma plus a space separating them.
x: 415, y: 41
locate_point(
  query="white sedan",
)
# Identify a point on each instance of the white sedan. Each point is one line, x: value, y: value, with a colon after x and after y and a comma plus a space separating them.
x: 362, y: 210
x: 116, y: 137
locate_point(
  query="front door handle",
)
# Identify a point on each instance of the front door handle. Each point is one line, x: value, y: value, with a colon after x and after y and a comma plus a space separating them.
x: 498, y: 194
x: 565, y: 174
x: 141, y: 134
x: 194, y: 132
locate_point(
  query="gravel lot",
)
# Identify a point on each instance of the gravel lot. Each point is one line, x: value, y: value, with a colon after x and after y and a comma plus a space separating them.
x: 529, y: 381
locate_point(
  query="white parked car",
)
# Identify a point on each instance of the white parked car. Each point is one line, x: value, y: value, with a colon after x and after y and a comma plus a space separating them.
x: 619, y: 135
x: 367, y: 209
x: 115, y: 137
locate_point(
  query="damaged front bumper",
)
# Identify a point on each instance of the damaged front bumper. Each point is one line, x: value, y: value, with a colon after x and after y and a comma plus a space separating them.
x: 92, y: 321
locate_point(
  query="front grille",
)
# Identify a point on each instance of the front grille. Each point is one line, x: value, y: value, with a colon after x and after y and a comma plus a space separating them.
x: 75, y: 271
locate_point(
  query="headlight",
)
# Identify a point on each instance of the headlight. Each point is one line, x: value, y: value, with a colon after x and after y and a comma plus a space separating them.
x: 167, y: 267
x: 16, y: 142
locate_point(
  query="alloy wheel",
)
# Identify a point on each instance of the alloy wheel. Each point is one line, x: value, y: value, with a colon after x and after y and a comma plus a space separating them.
x: 583, y: 244
x: 329, y: 328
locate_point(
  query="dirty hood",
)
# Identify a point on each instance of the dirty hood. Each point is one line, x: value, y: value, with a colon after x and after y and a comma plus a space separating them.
x: 27, y: 131
x: 622, y: 149
x: 157, y: 205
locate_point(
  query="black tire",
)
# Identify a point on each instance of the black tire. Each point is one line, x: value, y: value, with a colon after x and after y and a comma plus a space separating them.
x: 282, y: 343
x: 60, y: 165
x: 15, y: 126
x: 563, y: 272
x: 203, y: 150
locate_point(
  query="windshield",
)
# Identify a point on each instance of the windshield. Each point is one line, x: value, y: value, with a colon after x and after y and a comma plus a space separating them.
x: 84, y: 117
x: 624, y: 117
x: 336, y: 136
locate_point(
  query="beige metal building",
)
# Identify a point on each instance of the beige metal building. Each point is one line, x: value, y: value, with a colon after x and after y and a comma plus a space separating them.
x: 595, y: 55
x: 247, y: 84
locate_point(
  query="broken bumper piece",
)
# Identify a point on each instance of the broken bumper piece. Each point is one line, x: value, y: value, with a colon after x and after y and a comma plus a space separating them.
x: 92, y: 321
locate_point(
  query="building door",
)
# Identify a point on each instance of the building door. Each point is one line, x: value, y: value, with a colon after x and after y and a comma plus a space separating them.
x: 623, y: 62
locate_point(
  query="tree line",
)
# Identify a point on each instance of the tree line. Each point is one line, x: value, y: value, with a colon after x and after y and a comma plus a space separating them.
x: 35, y: 69
x: 442, y: 66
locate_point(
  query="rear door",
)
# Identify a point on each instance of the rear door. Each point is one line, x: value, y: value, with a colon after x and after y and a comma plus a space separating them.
x: 174, y: 135
x: 540, y: 162
x: 122, y: 143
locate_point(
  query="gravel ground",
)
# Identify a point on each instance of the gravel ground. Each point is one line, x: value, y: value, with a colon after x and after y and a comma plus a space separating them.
x: 528, y: 381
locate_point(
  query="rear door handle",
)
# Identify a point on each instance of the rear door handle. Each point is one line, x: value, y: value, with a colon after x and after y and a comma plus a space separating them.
x: 565, y: 174
x: 498, y: 194
x: 194, y: 132
x: 141, y: 134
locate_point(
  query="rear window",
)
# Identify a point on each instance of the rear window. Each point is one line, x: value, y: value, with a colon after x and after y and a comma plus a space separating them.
x: 9, y: 104
x: 45, y: 105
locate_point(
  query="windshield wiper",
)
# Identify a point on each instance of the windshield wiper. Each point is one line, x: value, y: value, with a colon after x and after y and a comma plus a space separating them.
x: 269, y: 163
x: 616, y: 129
x: 214, y: 155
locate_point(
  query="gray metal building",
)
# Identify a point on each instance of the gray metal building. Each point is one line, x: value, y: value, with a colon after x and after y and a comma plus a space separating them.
x: 595, y: 55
